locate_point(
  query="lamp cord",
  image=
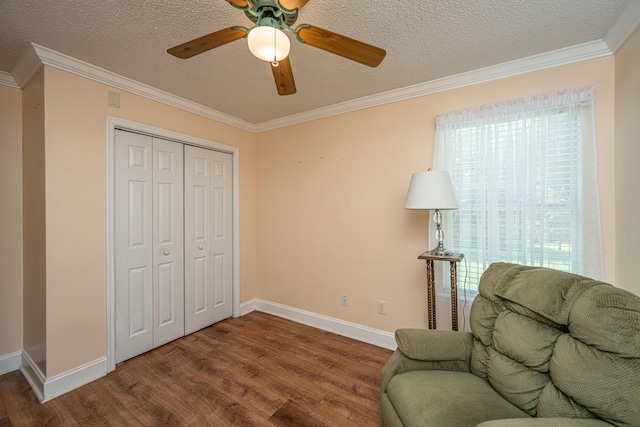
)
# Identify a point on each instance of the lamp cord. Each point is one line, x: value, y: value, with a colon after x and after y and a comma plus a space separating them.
x: 464, y: 295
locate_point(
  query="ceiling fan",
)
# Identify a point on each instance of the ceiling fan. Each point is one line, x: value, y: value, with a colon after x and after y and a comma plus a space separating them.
x: 267, y: 40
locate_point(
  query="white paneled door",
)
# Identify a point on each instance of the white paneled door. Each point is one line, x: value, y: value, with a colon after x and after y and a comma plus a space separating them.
x: 168, y: 241
x: 149, y: 243
x: 208, y: 237
x: 173, y: 241
x: 134, y: 245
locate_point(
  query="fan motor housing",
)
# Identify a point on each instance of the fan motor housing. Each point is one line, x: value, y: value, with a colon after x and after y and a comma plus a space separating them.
x: 270, y: 10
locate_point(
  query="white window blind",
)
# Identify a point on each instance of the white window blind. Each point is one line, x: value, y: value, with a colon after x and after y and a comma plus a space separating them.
x: 524, y: 174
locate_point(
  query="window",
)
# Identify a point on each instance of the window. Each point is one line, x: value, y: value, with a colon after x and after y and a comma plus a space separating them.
x: 524, y: 174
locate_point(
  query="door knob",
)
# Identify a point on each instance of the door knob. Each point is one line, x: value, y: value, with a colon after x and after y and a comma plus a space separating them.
x: 201, y: 247
x: 166, y: 252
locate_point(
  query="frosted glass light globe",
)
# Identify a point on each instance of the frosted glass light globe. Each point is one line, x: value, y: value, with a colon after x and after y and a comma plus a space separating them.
x: 268, y: 43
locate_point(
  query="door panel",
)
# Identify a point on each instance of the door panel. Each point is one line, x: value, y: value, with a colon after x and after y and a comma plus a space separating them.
x: 200, y: 284
x: 138, y: 301
x: 168, y: 238
x: 222, y: 241
x: 166, y: 298
x: 133, y: 245
x: 208, y: 237
x: 200, y: 213
x: 197, y: 226
x: 137, y: 227
x: 218, y: 281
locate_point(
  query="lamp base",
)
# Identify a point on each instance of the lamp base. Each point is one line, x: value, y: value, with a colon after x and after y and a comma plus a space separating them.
x: 440, y: 251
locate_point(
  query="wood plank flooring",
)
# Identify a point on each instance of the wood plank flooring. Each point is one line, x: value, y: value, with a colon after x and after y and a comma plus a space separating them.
x: 256, y: 370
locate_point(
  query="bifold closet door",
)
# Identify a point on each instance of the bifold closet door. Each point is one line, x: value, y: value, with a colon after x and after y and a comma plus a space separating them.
x: 208, y: 237
x: 149, y: 243
x: 168, y: 241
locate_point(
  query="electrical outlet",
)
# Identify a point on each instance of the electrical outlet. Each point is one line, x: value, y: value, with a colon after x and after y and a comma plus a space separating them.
x: 344, y: 300
x: 382, y: 307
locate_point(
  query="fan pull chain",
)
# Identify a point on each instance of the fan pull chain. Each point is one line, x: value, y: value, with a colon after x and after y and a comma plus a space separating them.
x: 275, y: 62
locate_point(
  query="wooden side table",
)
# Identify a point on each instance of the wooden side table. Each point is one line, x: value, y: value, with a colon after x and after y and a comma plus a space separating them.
x: 453, y: 259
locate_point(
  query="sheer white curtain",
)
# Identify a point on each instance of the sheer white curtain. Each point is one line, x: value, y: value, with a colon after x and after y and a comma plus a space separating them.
x: 524, y: 173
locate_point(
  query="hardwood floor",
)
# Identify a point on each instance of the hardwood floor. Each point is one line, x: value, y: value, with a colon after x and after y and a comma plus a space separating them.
x: 256, y: 370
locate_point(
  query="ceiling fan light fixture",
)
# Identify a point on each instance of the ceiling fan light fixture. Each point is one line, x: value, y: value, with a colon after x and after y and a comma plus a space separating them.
x: 268, y: 43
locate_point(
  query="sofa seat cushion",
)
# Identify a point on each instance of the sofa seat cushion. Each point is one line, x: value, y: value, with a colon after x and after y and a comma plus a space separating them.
x: 444, y: 398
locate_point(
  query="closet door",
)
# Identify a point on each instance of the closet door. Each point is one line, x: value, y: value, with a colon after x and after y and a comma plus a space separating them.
x: 133, y: 244
x: 168, y: 242
x: 149, y: 291
x: 222, y: 238
x: 197, y: 233
x: 208, y: 238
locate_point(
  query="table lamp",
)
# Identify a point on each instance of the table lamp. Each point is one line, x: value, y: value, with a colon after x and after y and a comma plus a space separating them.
x: 432, y: 190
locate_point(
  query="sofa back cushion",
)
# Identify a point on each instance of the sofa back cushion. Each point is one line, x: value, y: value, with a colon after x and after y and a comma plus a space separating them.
x: 557, y: 344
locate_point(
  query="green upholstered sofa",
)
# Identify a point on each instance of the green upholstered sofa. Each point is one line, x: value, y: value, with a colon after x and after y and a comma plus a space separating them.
x: 547, y: 349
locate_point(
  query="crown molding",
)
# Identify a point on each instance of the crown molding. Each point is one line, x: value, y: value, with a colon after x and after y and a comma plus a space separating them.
x: 37, y: 55
x: 569, y: 55
x: 83, y: 69
x: 7, y: 79
x: 27, y: 66
x: 624, y: 26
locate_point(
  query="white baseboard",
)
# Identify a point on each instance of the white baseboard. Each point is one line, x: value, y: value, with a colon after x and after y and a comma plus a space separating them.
x: 10, y: 362
x: 33, y: 375
x: 50, y: 388
x: 347, y: 329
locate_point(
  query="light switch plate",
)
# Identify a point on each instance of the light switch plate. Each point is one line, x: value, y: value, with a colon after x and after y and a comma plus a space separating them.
x: 114, y: 99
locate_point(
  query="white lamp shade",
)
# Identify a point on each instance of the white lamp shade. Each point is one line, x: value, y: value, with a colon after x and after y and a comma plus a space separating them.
x: 267, y: 43
x: 431, y: 190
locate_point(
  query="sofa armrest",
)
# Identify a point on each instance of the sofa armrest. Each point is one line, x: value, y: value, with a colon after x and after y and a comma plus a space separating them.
x: 545, y: 422
x: 421, y: 349
x: 434, y: 345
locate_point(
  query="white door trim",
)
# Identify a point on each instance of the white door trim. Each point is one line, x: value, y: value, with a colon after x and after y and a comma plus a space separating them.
x: 112, y: 124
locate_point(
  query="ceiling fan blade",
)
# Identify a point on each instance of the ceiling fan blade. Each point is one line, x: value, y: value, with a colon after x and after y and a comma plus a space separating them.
x: 292, y: 4
x: 208, y: 42
x: 341, y: 45
x: 238, y: 3
x: 283, y: 76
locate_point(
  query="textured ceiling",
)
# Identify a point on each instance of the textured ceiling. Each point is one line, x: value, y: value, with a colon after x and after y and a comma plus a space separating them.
x: 424, y: 39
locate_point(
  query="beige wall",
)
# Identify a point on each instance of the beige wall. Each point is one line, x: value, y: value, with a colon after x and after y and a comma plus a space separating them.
x: 331, y: 194
x: 627, y: 155
x: 321, y: 202
x: 10, y: 220
x: 75, y: 115
x: 34, y: 212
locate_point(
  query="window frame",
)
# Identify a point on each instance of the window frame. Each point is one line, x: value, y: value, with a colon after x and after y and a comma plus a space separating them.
x: 468, y: 125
